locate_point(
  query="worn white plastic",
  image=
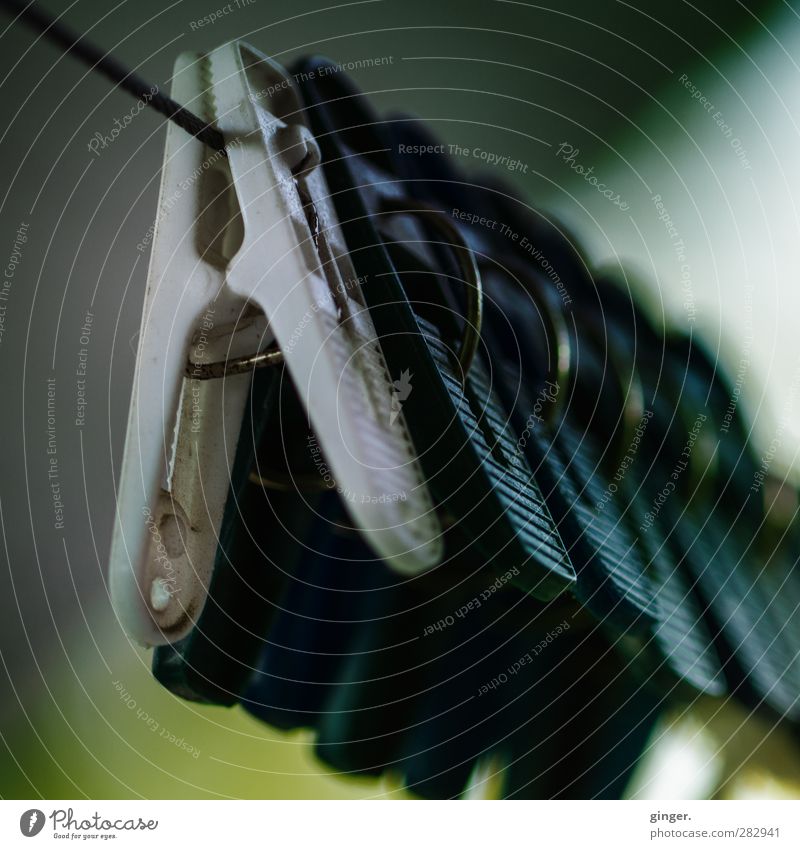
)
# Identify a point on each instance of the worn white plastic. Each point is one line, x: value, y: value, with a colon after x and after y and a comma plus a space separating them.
x: 235, y: 264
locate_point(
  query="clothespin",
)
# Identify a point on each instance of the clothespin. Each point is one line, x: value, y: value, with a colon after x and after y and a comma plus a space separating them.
x: 249, y: 270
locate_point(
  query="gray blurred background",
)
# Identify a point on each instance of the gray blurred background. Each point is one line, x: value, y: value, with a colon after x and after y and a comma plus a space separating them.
x: 510, y: 77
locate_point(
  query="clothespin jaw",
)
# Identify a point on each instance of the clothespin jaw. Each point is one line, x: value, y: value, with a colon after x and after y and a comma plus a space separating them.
x: 162, y: 546
x: 248, y: 268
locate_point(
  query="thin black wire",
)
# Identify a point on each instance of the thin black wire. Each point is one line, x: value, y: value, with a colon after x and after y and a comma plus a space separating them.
x: 102, y: 61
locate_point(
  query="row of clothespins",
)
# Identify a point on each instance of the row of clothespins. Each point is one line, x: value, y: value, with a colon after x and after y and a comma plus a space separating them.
x: 447, y: 499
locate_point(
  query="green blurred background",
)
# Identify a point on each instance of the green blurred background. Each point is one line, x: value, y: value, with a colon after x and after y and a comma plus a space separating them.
x: 515, y: 78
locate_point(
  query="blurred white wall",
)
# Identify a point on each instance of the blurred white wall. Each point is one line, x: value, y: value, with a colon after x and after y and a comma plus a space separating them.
x: 721, y: 256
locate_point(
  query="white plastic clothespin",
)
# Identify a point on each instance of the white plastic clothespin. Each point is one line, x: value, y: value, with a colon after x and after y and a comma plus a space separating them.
x: 248, y: 258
